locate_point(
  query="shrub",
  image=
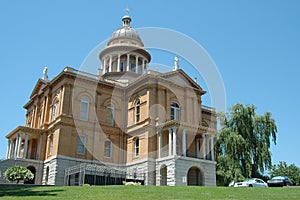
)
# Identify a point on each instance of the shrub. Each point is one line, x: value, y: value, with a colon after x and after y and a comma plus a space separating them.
x: 18, y: 173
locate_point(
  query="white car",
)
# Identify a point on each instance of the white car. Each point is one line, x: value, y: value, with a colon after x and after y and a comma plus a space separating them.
x: 252, y: 182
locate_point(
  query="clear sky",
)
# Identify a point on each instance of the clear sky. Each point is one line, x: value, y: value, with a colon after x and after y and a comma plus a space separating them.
x: 255, y: 45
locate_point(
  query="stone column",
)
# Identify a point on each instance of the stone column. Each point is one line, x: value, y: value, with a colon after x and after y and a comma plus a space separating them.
x: 8, y: 149
x: 174, y: 141
x: 110, y: 63
x: 118, y: 66
x: 212, y: 148
x: 170, y: 141
x: 128, y: 62
x: 146, y: 64
x: 196, y: 110
x: 104, y: 66
x: 204, y: 146
x: 19, y: 144
x: 160, y: 144
x: 143, y: 66
x: 16, y: 146
x: 40, y: 147
x: 25, y: 146
x: 197, y: 148
x: 61, y: 99
x: 136, y: 64
x: 184, y: 142
x: 12, y: 146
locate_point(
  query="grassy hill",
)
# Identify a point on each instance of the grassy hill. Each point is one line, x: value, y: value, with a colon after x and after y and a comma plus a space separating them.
x: 142, y: 192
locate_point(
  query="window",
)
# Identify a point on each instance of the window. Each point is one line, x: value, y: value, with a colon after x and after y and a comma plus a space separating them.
x: 137, y: 111
x: 50, y: 144
x: 110, y: 114
x: 107, y: 149
x: 133, y: 67
x: 175, y: 111
x: 84, y: 109
x: 122, y: 66
x: 136, y: 147
x: 81, y: 140
x: 54, y: 110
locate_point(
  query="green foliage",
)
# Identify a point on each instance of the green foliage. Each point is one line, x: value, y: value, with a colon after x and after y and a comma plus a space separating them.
x: 18, y: 173
x: 243, y: 143
x: 291, y: 171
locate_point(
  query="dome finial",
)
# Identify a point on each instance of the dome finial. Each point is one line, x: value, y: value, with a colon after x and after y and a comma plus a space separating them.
x: 126, y: 19
x: 127, y: 11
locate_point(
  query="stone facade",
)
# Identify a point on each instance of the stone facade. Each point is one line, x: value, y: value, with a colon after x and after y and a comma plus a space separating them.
x: 145, y: 124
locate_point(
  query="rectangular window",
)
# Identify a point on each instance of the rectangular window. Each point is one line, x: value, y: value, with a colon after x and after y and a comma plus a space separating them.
x: 108, y: 149
x: 136, y: 147
x: 121, y: 66
x: 81, y: 142
x: 84, y: 110
x: 50, y: 144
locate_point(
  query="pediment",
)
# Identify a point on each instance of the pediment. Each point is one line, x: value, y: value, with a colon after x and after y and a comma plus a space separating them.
x: 180, y: 78
x: 39, y: 86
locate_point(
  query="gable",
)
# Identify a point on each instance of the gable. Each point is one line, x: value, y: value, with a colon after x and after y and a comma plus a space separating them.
x: 180, y: 78
x: 40, y: 85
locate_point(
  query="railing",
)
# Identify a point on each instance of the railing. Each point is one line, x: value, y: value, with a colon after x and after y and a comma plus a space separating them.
x: 81, y: 73
x: 165, y: 153
x: 100, y: 175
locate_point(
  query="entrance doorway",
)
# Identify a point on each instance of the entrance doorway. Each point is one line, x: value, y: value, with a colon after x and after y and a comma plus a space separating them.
x: 32, y: 169
x: 195, y: 177
x: 163, y: 175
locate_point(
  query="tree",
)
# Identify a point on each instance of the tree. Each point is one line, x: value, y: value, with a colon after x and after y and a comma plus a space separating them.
x: 243, y: 144
x: 291, y: 171
x: 18, y: 173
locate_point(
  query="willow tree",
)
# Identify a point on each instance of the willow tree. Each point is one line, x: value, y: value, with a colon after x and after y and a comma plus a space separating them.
x: 243, y: 145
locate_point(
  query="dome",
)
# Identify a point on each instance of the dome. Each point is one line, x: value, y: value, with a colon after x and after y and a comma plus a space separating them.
x: 125, y: 35
x: 126, y: 32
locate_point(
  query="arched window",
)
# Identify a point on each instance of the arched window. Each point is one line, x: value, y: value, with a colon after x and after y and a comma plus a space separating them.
x: 175, y: 111
x: 137, y: 110
x: 110, y: 114
x: 136, y: 147
x: 84, y: 109
x: 54, y: 110
x: 108, y: 149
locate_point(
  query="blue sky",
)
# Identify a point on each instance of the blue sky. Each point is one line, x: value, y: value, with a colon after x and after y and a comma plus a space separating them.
x: 255, y: 45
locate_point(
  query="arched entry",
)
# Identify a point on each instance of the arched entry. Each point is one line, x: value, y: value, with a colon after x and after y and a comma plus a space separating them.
x: 163, y: 175
x: 32, y: 169
x: 194, y: 177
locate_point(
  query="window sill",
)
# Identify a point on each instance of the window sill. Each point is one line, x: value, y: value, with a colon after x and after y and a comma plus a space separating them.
x: 108, y: 157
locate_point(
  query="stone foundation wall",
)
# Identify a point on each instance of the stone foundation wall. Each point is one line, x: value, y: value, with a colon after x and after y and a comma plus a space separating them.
x: 38, y: 165
x: 178, y: 167
x: 57, y: 168
x: 169, y: 162
x: 146, y: 167
x: 207, y: 169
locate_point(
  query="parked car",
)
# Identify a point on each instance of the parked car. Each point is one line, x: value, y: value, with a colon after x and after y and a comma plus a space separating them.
x: 279, y: 181
x: 252, y: 182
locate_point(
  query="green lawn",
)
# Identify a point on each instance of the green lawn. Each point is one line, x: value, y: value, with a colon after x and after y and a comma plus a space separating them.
x: 145, y: 192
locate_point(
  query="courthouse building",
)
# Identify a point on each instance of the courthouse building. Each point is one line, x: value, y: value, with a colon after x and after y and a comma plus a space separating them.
x: 126, y: 123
